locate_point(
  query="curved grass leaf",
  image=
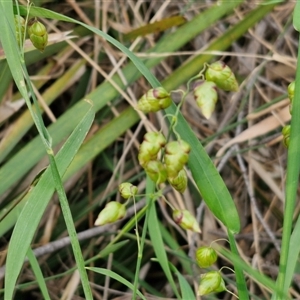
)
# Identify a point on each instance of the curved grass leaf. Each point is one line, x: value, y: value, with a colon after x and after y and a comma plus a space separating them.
x: 156, y: 237
x: 38, y: 274
x: 256, y: 275
x: 290, y: 244
x: 296, y: 16
x: 186, y: 290
x: 117, y: 277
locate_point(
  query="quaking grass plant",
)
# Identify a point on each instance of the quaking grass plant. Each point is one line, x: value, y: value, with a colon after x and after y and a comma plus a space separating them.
x: 163, y: 159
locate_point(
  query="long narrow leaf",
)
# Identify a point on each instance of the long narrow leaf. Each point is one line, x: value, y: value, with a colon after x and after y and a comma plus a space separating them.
x: 156, y: 238
x: 292, y: 182
x: 116, y: 277
x: 186, y: 290
x: 296, y: 16
x: 38, y: 274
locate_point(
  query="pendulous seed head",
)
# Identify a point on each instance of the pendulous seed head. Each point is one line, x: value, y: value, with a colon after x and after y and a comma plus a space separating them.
x: 206, y: 256
x: 186, y: 220
x: 38, y: 34
x: 222, y: 76
x: 154, y: 100
x: 112, y: 212
x: 206, y: 96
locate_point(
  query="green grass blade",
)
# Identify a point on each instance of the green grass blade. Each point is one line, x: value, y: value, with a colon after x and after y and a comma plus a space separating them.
x: 116, y: 277
x: 186, y: 290
x: 256, y: 275
x: 296, y: 16
x: 292, y: 182
x: 35, y: 206
x: 17, y: 66
x: 185, y: 261
x: 66, y: 211
x: 156, y: 238
x: 38, y: 274
x: 239, y: 275
x: 9, y: 44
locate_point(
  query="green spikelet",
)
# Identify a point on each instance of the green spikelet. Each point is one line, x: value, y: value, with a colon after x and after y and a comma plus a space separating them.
x: 112, y: 212
x: 176, y: 156
x: 205, y: 93
x: 211, y: 282
x: 179, y: 183
x: 206, y: 256
x: 156, y: 171
x: 186, y: 220
x: 222, y: 76
x: 38, y: 34
x: 153, y: 142
x: 154, y: 100
x: 127, y: 190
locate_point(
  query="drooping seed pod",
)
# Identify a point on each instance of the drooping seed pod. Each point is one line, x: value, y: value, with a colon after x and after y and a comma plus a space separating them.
x: 286, y: 131
x: 127, y: 190
x: 186, y: 220
x: 38, y: 34
x: 20, y: 29
x: 176, y: 156
x: 221, y: 287
x: 154, y: 100
x: 156, y: 171
x: 291, y: 90
x: 179, y: 183
x: 206, y: 96
x: 149, y: 148
x: 222, y: 76
x: 291, y: 93
x: 112, y: 212
x: 206, y: 256
x: 210, y: 282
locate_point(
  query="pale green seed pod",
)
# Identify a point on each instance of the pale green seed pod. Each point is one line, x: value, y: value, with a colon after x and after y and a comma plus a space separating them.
x: 221, y: 287
x: 186, y: 220
x: 209, y: 282
x: 112, y: 212
x: 206, y: 96
x: 291, y: 90
x: 222, y: 76
x: 291, y: 94
x: 20, y: 29
x: 156, y: 171
x: 149, y: 148
x: 127, y: 190
x: 179, y: 183
x: 206, y: 256
x: 38, y: 34
x: 154, y: 100
x: 176, y: 156
x: 286, y: 131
